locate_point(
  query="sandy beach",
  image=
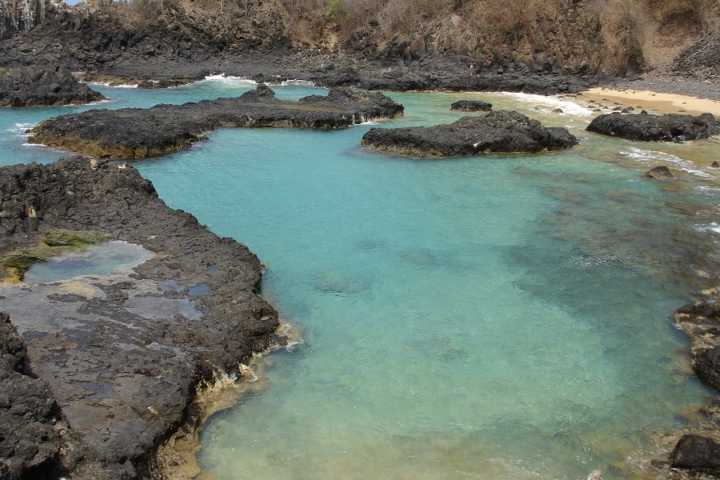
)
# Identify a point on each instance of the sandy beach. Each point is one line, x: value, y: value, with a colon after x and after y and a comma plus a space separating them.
x: 652, y: 101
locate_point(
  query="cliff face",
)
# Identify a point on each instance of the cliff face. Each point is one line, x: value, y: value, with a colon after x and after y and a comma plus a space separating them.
x: 21, y: 15
x: 577, y: 36
x: 610, y: 36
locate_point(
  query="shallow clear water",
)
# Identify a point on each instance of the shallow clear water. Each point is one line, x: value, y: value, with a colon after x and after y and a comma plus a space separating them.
x: 98, y: 260
x: 503, y: 317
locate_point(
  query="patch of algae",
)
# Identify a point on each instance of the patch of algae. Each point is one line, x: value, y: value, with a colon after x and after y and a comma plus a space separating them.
x: 15, y: 264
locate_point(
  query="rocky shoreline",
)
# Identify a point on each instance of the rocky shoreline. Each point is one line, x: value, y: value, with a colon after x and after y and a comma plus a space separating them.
x: 143, y: 133
x: 123, y: 365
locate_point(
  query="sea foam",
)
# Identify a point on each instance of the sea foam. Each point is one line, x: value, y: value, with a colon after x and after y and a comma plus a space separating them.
x: 567, y: 106
x: 646, y: 156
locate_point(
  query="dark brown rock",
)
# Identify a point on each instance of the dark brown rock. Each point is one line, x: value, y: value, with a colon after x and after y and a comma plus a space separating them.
x: 696, y: 453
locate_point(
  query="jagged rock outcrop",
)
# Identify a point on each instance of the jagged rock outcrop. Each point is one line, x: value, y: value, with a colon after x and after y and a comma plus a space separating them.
x: 655, y: 128
x: 29, y: 440
x: 124, y: 363
x: 495, y: 132
x: 33, y: 86
x: 141, y: 133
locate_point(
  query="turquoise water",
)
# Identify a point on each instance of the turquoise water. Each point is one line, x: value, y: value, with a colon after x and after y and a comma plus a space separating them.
x: 495, y: 318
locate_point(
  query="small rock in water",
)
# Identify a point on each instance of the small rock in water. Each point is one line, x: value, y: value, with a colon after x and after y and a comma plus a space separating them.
x: 659, y: 173
x: 471, y: 106
x: 715, y: 164
x: 694, y: 452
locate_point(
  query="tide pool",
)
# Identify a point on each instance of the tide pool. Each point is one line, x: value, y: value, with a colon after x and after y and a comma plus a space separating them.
x: 98, y: 260
x: 505, y: 317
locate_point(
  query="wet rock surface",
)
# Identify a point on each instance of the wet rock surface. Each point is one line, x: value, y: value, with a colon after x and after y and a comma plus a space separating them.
x: 656, y: 128
x: 34, y: 86
x: 141, y: 133
x: 500, y: 132
x: 121, y: 354
x: 471, y: 106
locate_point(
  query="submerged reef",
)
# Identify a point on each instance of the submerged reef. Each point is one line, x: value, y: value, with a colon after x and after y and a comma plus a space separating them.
x: 655, y: 128
x: 496, y: 132
x: 115, y: 359
x: 140, y: 133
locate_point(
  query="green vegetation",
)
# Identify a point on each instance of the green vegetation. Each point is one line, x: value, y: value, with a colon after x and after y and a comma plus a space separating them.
x: 15, y: 264
x: 74, y: 239
x: 334, y: 9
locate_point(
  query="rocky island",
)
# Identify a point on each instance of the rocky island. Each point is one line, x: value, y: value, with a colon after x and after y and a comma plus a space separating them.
x: 495, y: 132
x: 105, y: 369
x: 142, y: 133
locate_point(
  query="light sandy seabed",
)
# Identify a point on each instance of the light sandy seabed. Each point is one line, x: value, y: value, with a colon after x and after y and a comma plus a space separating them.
x: 658, y: 102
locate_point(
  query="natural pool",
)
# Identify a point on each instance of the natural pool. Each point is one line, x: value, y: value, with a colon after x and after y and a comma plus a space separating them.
x: 98, y: 260
x: 494, y: 318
